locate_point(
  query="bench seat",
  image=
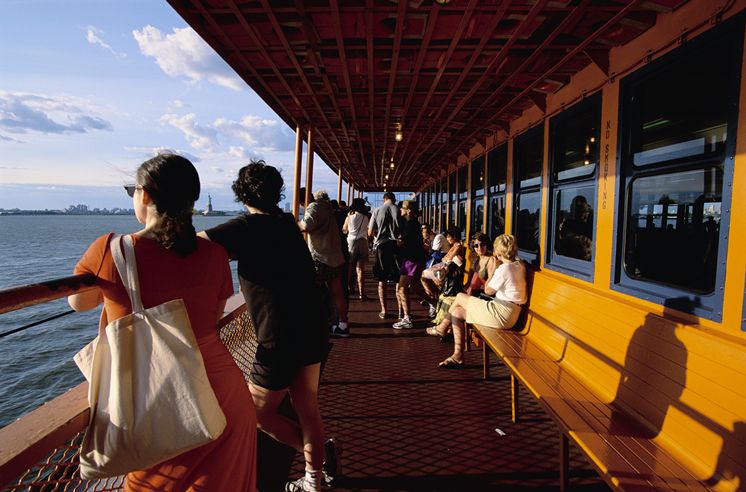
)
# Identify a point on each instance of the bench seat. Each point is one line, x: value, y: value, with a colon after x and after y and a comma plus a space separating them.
x: 615, y: 444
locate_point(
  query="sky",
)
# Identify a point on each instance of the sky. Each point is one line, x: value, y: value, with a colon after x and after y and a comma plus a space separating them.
x: 89, y: 89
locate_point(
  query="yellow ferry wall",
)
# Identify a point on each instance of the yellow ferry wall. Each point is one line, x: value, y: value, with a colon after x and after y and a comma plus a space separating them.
x: 705, y: 414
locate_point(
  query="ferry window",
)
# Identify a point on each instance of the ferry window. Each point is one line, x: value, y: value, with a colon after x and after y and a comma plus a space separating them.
x: 678, y: 125
x: 443, y: 205
x: 528, y: 156
x: 462, y: 194
x: 681, y: 210
x: 452, y: 196
x: 497, y: 179
x: 477, y: 193
x: 573, y: 136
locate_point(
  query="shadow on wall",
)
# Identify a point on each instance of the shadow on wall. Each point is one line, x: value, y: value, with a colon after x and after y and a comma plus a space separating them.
x: 653, y: 376
x: 730, y: 473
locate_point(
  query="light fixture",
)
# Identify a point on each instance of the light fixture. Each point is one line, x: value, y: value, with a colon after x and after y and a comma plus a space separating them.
x: 593, y: 139
x: 398, y: 134
x: 391, y: 165
x: 386, y: 177
x: 587, y: 162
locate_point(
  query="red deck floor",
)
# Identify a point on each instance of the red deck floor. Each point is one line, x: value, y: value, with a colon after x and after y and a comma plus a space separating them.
x: 406, y: 424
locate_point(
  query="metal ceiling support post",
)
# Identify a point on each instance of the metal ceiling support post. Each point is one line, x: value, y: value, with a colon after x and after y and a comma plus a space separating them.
x: 296, y: 176
x: 339, y: 185
x: 309, y: 166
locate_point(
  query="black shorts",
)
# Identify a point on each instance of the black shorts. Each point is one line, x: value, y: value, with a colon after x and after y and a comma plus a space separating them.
x: 275, y: 369
x: 386, y: 266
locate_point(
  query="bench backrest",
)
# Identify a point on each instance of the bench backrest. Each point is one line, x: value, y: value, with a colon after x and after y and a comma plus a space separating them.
x: 685, y: 385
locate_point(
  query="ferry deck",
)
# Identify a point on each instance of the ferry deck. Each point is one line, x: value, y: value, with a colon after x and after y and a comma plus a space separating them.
x: 627, y: 369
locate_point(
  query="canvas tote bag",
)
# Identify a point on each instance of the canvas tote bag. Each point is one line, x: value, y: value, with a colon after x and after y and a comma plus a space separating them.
x: 148, y: 390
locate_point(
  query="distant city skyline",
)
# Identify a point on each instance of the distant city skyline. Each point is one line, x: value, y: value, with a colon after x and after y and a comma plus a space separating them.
x: 91, y: 89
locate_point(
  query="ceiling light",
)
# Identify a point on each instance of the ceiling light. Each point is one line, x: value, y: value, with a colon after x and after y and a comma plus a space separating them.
x: 593, y: 139
x: 386, y: 177
x: 398, y: 135
x: 391, y: 165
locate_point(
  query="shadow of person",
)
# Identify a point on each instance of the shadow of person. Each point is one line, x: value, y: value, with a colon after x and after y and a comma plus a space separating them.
x: 730, y: 471
x: 654, y: 374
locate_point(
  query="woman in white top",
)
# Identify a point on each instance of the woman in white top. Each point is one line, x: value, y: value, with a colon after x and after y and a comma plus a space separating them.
x: 356, y: 228
x: 507, y: 285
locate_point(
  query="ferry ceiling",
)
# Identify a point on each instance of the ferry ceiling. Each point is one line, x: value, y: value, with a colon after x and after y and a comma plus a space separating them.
x: 411, y: 83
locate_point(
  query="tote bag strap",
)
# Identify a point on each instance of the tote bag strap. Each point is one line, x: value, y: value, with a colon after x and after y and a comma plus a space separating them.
x: 127, y: 267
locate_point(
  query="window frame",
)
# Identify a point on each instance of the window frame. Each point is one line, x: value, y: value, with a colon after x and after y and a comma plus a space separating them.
x: 503, y: 147
x: 477, y: 193
x: 453, y: 198
x: 530, y: 257
x: 708, y: 306
x: 572, y: 266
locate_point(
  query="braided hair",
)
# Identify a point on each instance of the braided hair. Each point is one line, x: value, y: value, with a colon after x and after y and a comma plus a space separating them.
x: 173, y: 184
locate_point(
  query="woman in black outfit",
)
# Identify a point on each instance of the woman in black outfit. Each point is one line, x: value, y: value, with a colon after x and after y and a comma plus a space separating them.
x: 277, y: 278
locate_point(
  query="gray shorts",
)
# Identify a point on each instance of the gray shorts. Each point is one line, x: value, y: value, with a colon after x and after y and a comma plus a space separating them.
x: 358, y: 250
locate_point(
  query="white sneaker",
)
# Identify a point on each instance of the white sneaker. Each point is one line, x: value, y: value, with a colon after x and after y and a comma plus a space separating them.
x: 404, y: 324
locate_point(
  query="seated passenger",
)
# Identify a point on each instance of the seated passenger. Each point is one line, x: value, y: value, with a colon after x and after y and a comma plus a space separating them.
x: 432, y: 278
x: 482, y: 268
x: 507, y: 284
x: 483, y: 264
x: 291, y: 330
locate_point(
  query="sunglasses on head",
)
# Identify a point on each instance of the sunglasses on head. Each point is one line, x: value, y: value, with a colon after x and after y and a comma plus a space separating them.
x: 130, y: 189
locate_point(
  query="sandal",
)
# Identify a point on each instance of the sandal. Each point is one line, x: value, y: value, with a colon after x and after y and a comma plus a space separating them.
x: 382, y: 315
x: 433, y: 331
x: 451, y: 363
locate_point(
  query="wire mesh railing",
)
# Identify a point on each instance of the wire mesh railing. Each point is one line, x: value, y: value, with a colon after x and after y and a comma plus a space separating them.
x: 57, y: 469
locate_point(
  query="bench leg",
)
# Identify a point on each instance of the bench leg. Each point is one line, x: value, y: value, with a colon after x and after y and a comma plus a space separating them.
x: 564, y: 459
x: 485, y: 361
x: 514, y: 397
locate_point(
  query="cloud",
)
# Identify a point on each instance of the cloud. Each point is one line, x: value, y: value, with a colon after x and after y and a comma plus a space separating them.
x: 184, y: 54
x: 241, y: 153
x: 199, y: 137
x: 262, y: 134
x: 5, y: 138
x: 26, y: 113
x: 92, y: 36
x: 154, y: 151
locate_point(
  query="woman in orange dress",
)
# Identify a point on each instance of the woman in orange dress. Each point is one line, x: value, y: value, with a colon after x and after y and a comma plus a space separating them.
x: 173, y: 263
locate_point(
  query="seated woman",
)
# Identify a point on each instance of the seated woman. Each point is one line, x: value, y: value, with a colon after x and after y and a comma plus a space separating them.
x: 507, y: 284
x: 430, y: 280
x: 482, y: 268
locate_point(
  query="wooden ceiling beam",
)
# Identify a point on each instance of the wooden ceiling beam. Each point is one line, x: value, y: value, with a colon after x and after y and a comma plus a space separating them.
x: 293, y: 59
x: 441, y: 70
x: 494, y: 21
x: 607, y: 25
x: 346, y: 77
x: 498, y: 61
x: 568, y: 22
x: 400, y: 15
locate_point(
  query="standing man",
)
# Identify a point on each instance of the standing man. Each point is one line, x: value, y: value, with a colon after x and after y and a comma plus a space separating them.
x: 324, y: 242
x: 412, y: 259
x: 385, y: 227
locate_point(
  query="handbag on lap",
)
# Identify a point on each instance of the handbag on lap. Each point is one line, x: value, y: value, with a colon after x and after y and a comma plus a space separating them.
x: 148, y: 390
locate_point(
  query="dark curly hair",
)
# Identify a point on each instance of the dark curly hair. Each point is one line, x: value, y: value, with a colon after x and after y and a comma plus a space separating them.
x: 259, y: 185
x: 483, y: 239
x: 173, y: 184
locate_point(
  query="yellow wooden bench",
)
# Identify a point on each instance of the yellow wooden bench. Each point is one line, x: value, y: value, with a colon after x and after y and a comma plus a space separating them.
x: 653, y: 403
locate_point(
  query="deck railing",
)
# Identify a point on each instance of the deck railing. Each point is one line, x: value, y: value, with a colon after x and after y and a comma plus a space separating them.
x: 40, y: 451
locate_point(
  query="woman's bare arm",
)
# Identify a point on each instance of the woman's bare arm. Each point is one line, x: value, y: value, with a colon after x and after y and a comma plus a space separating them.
x: 86, y: 300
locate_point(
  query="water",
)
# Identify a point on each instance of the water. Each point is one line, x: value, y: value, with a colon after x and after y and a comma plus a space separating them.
x: 36, y: 364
